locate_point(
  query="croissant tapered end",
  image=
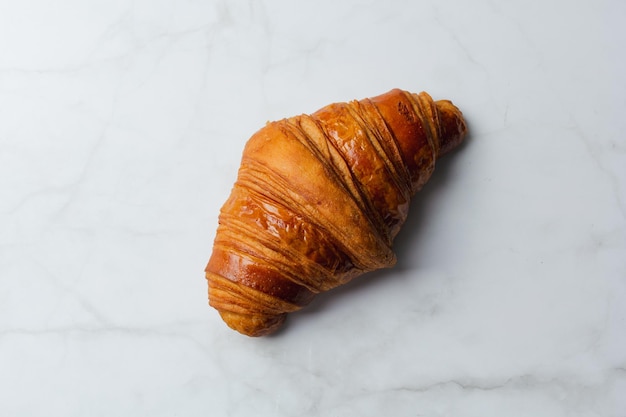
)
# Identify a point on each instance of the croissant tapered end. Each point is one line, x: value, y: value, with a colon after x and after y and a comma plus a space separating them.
x: 453, y: 126
x: 252, y: 324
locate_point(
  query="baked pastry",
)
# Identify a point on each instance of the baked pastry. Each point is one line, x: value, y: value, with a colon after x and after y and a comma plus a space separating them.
x: 319, y: 200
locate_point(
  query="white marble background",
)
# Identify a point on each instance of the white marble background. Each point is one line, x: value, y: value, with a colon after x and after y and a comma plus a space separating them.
x: 121, y: 127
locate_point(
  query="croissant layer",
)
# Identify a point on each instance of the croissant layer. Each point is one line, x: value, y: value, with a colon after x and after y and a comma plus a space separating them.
x: 318, y: 201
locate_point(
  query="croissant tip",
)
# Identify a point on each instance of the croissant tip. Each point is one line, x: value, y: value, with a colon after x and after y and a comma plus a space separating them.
x: 453, y: 126
x: 253, y: 325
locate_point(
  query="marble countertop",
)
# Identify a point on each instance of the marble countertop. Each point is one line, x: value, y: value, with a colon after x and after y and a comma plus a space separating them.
x: 121, y: 130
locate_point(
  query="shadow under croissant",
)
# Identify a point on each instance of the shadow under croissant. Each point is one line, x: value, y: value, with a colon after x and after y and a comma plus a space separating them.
x: 405, y: 243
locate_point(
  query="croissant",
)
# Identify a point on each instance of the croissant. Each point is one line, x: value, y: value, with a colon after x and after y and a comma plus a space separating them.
x: 319, y: 200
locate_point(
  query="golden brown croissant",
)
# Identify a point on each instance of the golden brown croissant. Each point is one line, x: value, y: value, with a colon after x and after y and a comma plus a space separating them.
x: 318, y: 201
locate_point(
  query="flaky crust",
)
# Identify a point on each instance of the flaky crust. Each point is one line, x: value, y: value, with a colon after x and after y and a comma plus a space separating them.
x: 318, y: 201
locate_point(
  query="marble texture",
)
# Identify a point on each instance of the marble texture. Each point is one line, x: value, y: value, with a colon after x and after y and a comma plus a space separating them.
x: 121, y: 128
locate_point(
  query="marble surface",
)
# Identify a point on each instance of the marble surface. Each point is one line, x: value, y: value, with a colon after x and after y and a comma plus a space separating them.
x: 121, y: 128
